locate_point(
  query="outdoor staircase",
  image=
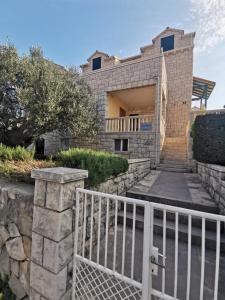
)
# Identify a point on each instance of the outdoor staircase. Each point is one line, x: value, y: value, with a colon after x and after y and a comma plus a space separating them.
x: 170, y: 220
x: 174, y: 155
x: 173, y: 166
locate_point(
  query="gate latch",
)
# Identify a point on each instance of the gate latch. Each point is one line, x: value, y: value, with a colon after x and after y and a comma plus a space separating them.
x: 155, y: 262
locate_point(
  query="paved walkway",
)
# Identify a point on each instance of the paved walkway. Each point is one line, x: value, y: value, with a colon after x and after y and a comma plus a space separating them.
x: 183, y: 187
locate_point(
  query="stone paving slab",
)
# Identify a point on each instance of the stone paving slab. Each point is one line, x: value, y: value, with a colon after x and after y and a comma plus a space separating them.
x: 184, y: 187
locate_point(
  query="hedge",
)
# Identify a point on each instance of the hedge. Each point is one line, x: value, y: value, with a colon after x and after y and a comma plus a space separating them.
x: 101, y: 165
x: 208, y: 134
x: 17, y: 153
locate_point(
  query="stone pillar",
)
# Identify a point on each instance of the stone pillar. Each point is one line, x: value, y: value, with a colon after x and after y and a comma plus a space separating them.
x: 53, y: 231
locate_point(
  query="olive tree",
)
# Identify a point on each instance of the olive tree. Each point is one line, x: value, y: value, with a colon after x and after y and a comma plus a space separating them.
x: 38, y: 96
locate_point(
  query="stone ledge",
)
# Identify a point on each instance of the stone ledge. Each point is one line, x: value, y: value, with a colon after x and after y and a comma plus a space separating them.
x: 138, y: 160
x: 218, y: 168
x: 60, y: 175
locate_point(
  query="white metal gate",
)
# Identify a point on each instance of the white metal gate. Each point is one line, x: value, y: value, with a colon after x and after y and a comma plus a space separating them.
x: 113, y: 262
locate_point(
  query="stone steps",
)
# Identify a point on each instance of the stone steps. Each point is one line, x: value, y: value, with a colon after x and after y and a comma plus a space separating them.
x: 204, y: 207
x: 174, y: 162
x: 174, y: 148
x: 210, y: 241
x: 177, y: 170
x: 179, y: 166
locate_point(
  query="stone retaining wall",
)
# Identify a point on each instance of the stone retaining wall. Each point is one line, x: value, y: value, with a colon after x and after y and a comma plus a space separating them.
x: 213, y: 179
x: 16, y: 217
x: 51, y: 248
x: 138, y: 168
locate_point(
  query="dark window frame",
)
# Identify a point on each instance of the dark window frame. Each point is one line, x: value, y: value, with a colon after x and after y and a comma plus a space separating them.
x: 167, y: 43
x: 121, y: 145
x: 96, y: 63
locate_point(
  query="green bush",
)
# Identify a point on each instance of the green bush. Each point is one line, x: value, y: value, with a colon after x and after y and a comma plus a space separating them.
x: 17, y: 153
x: 101, y: 165
x: 208, y: 134
x: 5, y: 291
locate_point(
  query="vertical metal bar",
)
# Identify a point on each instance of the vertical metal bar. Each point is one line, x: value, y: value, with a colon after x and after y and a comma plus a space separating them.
x: 150, y: 232
x: 106, y: 231
x: 99, y: 227
x: 164, y: 251
x: 76, y: 233
x: 133, y: 241
x: 147, y: 249
x: 176, y: 255
x: 124, y: 235
x: 203, y: 260
x: 91, y: 229
x: 84, y: 224
x: 115, y: 237
x: 217, y: 260
x: 189, y: 257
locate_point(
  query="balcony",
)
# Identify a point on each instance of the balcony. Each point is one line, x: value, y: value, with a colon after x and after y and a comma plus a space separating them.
x: 141, y: 123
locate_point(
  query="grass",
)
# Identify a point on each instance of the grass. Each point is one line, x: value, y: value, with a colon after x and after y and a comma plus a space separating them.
x: 21, y: 170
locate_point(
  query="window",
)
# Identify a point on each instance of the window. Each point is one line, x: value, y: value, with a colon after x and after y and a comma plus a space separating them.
x: 167, y: 43
x: 65, y: 143
x: 96, y: 63
x: 121, y: 145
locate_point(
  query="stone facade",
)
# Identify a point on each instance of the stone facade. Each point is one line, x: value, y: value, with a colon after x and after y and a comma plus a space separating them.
x: 141, y: 145
x: 213, y: 179
x: 170, y: 73
x: 16, y: 217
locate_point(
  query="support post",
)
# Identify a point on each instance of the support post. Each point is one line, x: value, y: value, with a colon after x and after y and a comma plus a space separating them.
x: 53, y: 232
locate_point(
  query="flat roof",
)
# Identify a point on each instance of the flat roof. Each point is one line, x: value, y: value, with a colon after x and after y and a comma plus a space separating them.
x: 202, y: 88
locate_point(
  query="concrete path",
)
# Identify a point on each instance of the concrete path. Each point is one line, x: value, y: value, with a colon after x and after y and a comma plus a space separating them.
x: 183, y: 188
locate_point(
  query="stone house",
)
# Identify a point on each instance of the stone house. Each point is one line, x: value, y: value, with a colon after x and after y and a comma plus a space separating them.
x: 144, y: 101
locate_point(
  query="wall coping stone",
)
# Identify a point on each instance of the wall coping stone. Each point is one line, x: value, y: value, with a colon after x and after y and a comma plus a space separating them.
x: 213, y: 167
x: 60, y: 174
x: 138, y: 160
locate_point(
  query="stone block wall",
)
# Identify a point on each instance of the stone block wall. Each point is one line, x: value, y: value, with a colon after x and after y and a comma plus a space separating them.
x: 138, y: 169
x: 213, y: 179
x: 53, y: 232
x: 16, y: 217
x: 36, y: 228
x: 53, y: 224
x: 141, y: 145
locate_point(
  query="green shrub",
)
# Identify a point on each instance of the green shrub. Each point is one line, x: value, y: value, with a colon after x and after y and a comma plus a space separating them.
x: 208, y: 134
x: 17, y: 153
x: 5, y: 291
x: 101, y: 165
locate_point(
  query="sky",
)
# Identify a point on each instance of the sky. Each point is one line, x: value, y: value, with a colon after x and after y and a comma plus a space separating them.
x: 69, y: 31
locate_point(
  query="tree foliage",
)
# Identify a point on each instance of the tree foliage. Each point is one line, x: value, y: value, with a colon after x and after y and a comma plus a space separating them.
x: 38, y: 96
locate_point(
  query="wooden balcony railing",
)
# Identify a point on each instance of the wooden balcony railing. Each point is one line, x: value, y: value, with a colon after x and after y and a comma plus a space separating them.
x: 130, y: 124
